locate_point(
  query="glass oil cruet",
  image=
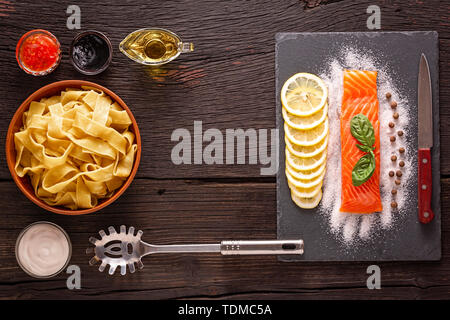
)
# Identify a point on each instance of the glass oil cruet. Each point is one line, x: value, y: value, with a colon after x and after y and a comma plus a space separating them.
x: 153, y: 46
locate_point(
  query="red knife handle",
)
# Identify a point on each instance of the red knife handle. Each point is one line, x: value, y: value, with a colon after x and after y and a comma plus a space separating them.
x: 425, y: 186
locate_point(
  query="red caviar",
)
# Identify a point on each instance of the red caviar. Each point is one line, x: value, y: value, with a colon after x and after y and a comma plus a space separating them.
x: 38, y: 51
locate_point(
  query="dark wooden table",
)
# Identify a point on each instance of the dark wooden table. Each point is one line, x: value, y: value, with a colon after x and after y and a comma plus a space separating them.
x: 228, y: 82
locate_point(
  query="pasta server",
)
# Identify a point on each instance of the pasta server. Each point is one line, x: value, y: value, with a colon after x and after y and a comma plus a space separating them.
x: 127, y: 249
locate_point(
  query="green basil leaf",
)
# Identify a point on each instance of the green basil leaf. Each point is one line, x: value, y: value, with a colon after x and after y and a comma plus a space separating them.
x: 362, y: 129
x: 364, y: 148
x: 363, y: 169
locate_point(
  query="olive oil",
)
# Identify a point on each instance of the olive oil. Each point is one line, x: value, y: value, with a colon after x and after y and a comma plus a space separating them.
x: 153, y: 46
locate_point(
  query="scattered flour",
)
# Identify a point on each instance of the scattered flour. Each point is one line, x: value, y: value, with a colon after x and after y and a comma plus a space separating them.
x: 350, y: 226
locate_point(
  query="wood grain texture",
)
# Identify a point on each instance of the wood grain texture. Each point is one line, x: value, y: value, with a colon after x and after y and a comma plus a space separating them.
x: 174, y: 211
x: 228, y: 82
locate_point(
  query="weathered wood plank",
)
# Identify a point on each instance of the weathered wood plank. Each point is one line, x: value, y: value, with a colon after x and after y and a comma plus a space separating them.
x: 183, y: 211
x: 228, y: 82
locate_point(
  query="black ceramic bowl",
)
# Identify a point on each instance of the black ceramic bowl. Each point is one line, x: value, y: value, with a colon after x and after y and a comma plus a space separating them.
x: 91, y: 52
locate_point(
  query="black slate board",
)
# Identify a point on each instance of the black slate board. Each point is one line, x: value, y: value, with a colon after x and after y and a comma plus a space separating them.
x: 408, y: 239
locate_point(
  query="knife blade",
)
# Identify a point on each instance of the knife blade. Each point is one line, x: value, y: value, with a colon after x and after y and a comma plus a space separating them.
x: 425, y: 138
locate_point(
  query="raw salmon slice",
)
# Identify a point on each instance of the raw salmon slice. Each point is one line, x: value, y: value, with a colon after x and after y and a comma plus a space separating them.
x: 360, y: 96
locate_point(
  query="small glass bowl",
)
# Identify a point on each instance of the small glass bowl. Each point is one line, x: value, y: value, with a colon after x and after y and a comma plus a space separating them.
x: 22, y: 41
x: 102, y: 68
x: 19, y: 238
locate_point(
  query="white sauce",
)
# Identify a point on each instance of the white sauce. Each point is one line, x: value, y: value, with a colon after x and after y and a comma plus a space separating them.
x: 43, y: 250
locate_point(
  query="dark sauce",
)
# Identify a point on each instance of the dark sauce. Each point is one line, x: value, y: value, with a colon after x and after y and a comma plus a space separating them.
x: 90, y: 53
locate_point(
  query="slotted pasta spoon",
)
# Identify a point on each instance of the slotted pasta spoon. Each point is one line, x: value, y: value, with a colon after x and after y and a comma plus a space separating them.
x: 127, y: 249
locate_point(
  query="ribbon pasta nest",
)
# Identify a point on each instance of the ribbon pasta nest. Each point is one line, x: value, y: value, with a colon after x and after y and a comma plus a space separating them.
x: 76, y: 148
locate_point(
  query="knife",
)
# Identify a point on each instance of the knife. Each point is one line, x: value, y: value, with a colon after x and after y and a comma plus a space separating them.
x: 425, y: 138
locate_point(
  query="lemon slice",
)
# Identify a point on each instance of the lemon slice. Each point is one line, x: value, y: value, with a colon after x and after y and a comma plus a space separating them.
x: 307, y: 203
x: 305, y: 192
x: 305, y: 184
x: 305, y: 123
x: 306, y: 151
x: 307, y: 137
x: 307, y: 174
x: 303, y: 94
x: 305, y: 164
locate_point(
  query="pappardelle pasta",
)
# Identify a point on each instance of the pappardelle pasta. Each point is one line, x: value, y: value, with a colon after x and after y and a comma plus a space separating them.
x: 76, y: 147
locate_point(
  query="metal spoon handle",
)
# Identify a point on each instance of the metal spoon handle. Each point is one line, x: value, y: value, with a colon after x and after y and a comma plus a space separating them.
x: 243, y: 247
x: 232, y: 247
x: 182, y: 248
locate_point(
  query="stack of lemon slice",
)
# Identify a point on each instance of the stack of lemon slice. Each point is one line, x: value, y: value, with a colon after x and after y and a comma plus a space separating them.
x: 304, y: 99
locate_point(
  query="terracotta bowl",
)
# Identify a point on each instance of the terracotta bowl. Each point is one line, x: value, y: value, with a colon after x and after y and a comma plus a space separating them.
x: 16, y: 123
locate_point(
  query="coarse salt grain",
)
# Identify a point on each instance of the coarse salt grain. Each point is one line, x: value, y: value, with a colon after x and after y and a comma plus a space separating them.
x: 350, y: 226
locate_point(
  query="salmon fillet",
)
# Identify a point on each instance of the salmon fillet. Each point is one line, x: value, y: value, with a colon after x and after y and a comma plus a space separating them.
x: 360, y: 96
